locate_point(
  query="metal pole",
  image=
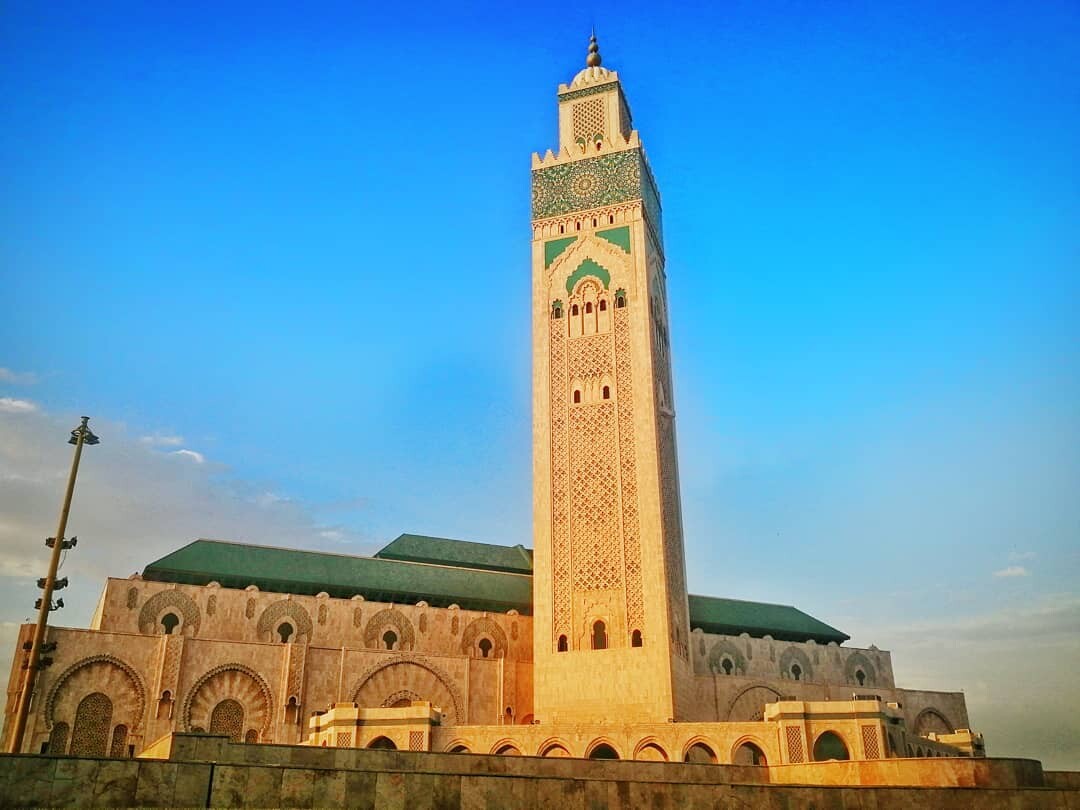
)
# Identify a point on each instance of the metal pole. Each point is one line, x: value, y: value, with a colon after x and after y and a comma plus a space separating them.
x: 26, y: 691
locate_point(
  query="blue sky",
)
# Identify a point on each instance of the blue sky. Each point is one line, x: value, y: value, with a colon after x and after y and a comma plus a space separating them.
x: 294, y: 242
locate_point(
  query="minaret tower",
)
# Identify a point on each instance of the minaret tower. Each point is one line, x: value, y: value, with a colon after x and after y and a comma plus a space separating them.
x: 611, y: 627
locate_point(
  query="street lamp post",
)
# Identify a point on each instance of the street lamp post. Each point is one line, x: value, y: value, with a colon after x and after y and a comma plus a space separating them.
x: 79, y: 436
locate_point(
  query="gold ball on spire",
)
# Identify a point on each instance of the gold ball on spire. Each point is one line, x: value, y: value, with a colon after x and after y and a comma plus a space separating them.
x: 593, y: 59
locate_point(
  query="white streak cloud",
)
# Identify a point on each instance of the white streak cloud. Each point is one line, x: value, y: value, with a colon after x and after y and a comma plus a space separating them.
x: 1012, y: 571
x: 12, y: 405
x: 162, y: 440
x: 195, y: 456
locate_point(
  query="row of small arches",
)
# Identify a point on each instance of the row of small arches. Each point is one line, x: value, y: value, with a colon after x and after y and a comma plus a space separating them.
x: 577, y: 309
x: 595, y: 220
x: 598, y: 638
x: 746, y: 752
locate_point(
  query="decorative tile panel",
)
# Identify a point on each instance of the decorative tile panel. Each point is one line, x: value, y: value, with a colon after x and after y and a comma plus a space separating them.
x: 590, y: 183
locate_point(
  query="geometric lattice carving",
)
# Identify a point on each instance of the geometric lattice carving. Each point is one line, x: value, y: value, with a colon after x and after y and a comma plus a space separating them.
x: 793, y: 735
x: 211, y: 605
x: 324, y: 611
x: 119, y: 742
x: 237, y: 682
x: 93, y: 720
x: 560, y: 491
x: 389, y: 619
x: 98, y: 673
x: 635, y: 608
x: 588, y: 120
x: 357, y: 617
x: 344, y: 739
x: 249, y: 609
x: 594, y: 474
x: 870, y: 743
x: 58, y: 738
x: 163, y: 600
x: 132, y: 598
x: 272, y: 617
x: 409, y: 675
x: 484, y: 627
x: 228, y: 718
x: 416, y: 741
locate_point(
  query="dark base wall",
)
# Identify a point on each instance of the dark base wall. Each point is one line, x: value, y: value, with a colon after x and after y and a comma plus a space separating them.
x: 313, y: 777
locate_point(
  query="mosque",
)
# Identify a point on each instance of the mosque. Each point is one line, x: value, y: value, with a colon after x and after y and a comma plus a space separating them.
x: 585, y: 645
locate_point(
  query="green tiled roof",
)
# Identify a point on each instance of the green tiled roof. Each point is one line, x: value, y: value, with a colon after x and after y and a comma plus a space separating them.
x: 484, y: 556
x: 236, y: 565
x: 783, y: 622
x: 476, y: 576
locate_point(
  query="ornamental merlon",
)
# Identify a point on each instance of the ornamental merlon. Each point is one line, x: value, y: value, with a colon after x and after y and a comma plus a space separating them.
x: 565, y: 155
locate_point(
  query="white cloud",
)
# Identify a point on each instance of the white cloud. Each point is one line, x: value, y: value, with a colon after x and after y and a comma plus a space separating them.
x: 1012, y: 571
x: 12, y: 405
x: 162, y: 440
x: 17, y: 378
x: 195, y: 456
x: 132, y: 505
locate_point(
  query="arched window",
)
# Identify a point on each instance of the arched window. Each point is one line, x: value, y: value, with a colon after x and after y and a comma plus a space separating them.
x: 169, y: 622
x: 577, y: 225
x: 562, y: 644
x: 58, y: 738
x: 602, y: 306
x: 701, y: 754
x: 460, y: 749
x: 165, y: 705
x: 635, y: 638
x: 574, y: 309
x: 119, y: 742
x: 588, y: 308
x: 611, y: 219
x: 228, y: 718
x: 556, y: 310
x: 577, y: 396
x: 594, y: 222
x: 284, y: 631
x: 251, y: 736
x: 603, y: 751
x: 830, y: 746
x: 748, y: 754
x: 796, y: 671
x: 562, y: 229
x: 485, y: 647
x: 292, y: 711
x: 860, y: 676
x: 606, y: 392
x: 620, y: 299
x: 389, y: 639
x: 727, y: 666
x: 382, y: 744
x: 509, y: 750
x: 93, y: 720
x: 599, y: 635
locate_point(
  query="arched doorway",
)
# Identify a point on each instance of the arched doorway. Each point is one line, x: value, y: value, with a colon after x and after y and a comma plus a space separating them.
x: 748, y: 753
x: 382, y: 744
x: 830, y: 746
x: 603, y: 751
x: 556, y: 751
x: 701, y: 754
x: 651, y: 752
x: 508, y: 750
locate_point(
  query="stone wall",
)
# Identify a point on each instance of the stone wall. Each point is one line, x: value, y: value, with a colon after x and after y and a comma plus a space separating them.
x: 210, y: 772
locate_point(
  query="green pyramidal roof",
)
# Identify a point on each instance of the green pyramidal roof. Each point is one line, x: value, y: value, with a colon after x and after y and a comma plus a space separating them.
x: 484, y: 556
x: 475, y: 576
x: 235, y: 565
x: 732, y: 617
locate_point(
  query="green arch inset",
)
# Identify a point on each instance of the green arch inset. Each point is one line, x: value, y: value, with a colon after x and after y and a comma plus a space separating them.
x: 587, y: 268
x: 617, y: 236
x: 555, y: 247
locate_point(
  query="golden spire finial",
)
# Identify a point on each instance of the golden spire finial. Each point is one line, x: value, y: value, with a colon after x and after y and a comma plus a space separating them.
x: 593, y: 59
